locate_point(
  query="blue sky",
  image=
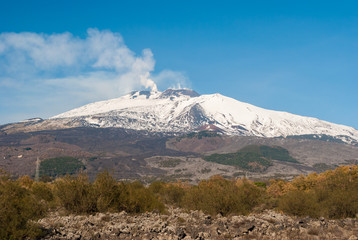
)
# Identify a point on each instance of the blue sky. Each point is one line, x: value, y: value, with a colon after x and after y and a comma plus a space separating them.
x: 294, y: 56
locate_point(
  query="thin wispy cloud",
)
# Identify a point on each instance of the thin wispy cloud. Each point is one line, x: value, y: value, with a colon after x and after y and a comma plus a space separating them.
x: 58, y: 67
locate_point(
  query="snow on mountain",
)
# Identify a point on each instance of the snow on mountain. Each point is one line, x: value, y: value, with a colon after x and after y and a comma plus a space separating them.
x: 185, y: 110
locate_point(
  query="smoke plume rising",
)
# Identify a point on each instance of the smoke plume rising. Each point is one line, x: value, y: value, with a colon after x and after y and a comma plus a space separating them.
x: 63, y: 71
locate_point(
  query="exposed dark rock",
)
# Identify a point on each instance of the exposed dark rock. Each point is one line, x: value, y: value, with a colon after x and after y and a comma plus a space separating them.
x: 177, y: 92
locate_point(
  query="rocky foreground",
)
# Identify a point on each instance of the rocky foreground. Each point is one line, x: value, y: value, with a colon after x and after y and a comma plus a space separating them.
x: 178, y: 224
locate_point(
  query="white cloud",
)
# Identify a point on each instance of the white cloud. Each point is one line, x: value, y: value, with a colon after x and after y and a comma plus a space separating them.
x: 2, y: 47
x: 96, y: 85
x: 10, y: 83
x: 99, y: 66
x: 43, y: 51
x: 48, y: 54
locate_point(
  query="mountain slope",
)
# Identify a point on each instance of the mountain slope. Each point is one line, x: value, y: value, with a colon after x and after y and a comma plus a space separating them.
x: 185, y: 111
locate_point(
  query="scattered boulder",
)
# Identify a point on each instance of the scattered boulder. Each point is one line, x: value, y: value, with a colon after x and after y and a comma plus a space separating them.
x: 180, y: 224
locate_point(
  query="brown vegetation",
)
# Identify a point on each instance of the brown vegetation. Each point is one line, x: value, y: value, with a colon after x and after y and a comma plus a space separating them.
x: 18, y: 205
x: 332, y: 194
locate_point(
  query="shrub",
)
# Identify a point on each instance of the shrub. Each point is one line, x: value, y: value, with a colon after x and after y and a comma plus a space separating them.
x: 157, y: 187
x: 299, y: 203
x: 107, y: 191
x: 341, y: 203
x: 260, y: 184
x: 250, y: 194
x: 169, y: 193
x: 218, y: 195
x: 18, y: 207
x: 135, y: 198
x: 25, y: 181
x: 339, y: 193
x: 45, y: 178
x: 76, y: 194
x: 333, y: 194
x: 42, y: 191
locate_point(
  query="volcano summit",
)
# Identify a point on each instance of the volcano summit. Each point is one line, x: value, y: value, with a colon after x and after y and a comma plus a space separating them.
x: 184, y: 110
x: 129, y: 133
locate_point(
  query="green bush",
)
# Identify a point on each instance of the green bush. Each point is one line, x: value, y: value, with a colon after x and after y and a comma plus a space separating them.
x: 18, y: 207
x: 260, y: 184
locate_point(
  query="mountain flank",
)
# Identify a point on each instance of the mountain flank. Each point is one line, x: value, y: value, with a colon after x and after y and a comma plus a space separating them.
x: 183, y: 111
x: 175, y: 134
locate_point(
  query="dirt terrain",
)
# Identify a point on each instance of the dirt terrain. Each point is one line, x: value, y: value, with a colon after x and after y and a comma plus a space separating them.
x: 130, y: 154
x: 309, y: 153
x: 120, y: 151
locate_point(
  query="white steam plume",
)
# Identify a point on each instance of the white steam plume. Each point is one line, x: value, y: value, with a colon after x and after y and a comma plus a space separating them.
x: 147, y: 82
x: 65, y: 71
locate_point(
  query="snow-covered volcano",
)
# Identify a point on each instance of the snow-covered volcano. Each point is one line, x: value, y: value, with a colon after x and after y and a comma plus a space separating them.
x: 185, y: 110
